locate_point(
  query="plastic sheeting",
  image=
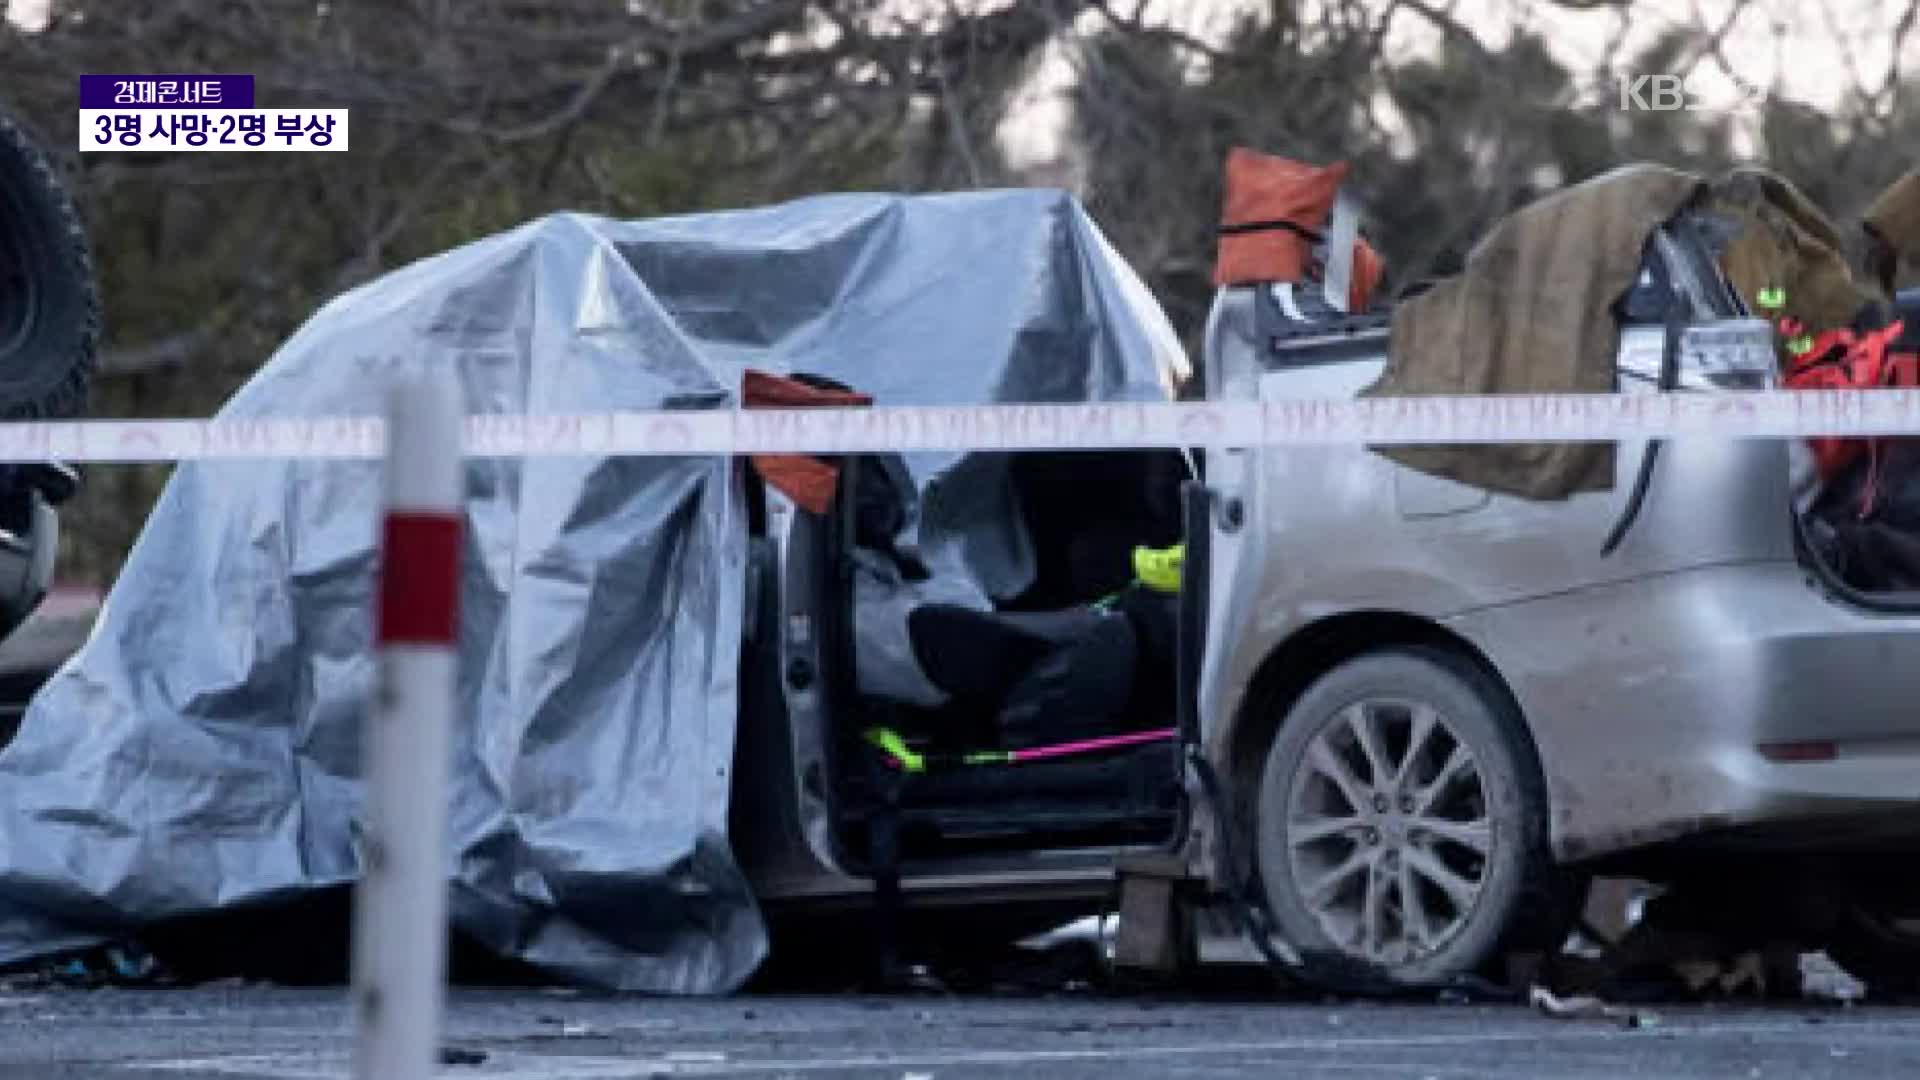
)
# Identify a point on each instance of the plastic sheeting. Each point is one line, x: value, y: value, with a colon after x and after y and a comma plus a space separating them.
x: 200, y: 753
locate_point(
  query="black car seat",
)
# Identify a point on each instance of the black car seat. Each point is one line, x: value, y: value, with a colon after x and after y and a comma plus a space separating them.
x: 977, y: 656
x: 1081, y: 690
x: 1050, y: 677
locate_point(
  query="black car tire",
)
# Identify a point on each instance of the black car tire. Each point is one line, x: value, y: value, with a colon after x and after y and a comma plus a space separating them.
x: 49, y: 302
x: 1524, y: 901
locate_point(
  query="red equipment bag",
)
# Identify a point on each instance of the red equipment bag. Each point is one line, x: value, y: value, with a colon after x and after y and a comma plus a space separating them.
x: 1845, y: 359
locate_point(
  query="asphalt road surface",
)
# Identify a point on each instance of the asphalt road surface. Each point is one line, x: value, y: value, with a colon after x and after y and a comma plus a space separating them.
x: 271, y: 1033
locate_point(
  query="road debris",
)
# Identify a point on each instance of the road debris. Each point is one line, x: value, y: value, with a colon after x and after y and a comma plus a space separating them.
x: 559, y: 1027
x: 1695, y: 941
x: 1588, y: 1007
x: 462, y: 1055
x: 99, y: 968
x: 1823, y: 980
x: 1743, y: 973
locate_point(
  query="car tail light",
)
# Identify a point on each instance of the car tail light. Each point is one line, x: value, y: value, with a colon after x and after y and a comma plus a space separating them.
x: 1786, y: 752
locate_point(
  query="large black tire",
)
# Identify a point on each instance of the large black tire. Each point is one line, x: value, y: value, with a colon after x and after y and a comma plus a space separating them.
x: 1520, y: 901
x: 49, y: 302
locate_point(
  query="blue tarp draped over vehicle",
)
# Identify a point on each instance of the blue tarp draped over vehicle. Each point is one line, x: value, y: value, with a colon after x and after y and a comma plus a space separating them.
x: 200, y: 754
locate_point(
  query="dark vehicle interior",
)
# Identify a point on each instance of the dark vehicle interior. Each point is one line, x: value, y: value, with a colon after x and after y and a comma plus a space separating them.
x: 1862, y: 530
x: 1058, y: 729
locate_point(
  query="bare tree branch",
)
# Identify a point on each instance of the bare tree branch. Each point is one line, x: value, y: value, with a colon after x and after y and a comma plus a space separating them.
x: 173, y: 351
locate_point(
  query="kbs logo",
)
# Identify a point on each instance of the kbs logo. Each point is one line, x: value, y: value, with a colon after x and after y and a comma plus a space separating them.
x: 1669, y: 93
x: 1656, y: 93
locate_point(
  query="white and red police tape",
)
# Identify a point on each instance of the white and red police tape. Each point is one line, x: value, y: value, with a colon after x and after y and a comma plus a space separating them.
x: 1506, y: 418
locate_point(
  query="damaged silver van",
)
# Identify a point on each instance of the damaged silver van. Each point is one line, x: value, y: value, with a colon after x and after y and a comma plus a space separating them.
x: 1409, y: 716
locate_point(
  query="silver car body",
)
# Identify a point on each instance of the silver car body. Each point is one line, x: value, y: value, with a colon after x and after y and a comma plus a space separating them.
x: 1654, y: 680
x: 1667, y: 686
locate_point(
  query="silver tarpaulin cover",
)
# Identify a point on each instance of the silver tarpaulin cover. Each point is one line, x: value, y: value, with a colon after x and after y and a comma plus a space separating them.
x: 200, y: 754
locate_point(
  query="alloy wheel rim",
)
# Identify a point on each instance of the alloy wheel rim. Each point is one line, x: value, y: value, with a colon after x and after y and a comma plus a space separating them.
x: 1389, y: 836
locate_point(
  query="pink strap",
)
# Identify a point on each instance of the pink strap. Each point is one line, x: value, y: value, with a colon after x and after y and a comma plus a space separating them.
x: 1088, y: 746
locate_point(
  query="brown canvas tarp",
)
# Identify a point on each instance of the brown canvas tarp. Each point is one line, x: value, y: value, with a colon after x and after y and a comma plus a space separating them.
x: 1782, y: 240
x: 1532, y: 312
x: 1895, y: 215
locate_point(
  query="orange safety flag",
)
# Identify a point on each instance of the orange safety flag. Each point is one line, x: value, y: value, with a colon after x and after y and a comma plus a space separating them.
x: 809, y: 481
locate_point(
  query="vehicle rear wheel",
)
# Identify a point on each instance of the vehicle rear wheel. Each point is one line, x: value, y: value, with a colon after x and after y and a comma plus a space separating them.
x: 1402, y: 826
x: 49, y: 303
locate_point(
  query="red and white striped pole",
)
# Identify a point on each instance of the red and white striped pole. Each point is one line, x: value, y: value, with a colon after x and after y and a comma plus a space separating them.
x: 400, y: 906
